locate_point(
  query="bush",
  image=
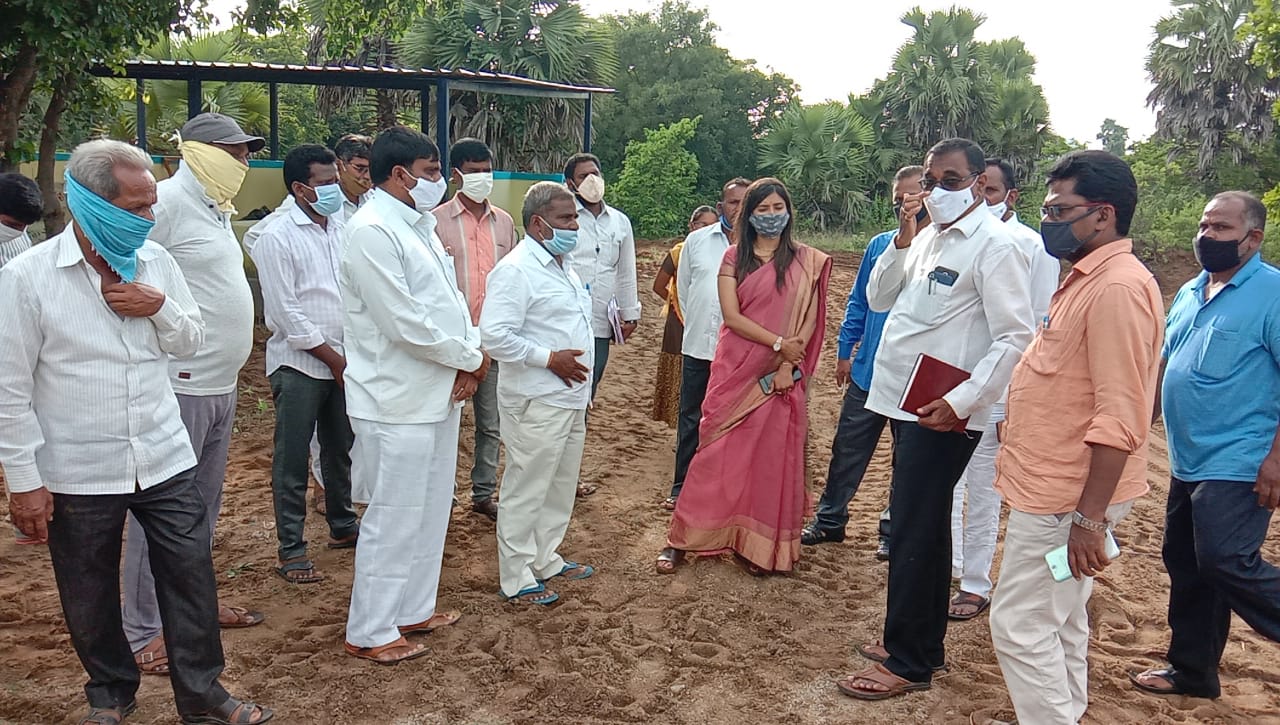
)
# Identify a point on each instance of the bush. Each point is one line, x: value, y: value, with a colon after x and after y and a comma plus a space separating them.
x: 656, y: 187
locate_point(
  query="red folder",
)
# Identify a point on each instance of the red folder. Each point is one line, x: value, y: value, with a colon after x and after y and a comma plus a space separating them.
x: 930, y: 380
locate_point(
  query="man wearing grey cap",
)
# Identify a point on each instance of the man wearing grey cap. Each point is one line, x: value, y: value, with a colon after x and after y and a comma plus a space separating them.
x: 193, y: 222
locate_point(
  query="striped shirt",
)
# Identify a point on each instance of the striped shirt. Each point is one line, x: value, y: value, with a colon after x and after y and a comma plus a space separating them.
x: 14, y: 247
x: 475, y: 245
x: 297, y: 263
x: 85, y: 401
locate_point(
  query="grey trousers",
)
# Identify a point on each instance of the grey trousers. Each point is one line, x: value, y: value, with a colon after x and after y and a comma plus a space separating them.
x: 209, y: 420
x: 484, y: 470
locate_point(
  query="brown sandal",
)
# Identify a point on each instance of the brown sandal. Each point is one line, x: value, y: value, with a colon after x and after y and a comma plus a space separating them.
x: 153, y: 659
x: 108, y: 715
x: 877, y: 674
x: 232, y: 712
x: 239, y: 617
x: 388, y: 654
x: 434, y: 622
x: 966, y: 599
x: 876, y: 652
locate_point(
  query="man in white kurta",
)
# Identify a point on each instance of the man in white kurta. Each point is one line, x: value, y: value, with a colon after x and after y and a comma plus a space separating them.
x: 536, y: 321
x: 411, y: 350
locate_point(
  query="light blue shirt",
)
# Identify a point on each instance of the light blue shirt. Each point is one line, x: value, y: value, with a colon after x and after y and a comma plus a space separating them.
x: 1222, y: 382
x: 860, y: 323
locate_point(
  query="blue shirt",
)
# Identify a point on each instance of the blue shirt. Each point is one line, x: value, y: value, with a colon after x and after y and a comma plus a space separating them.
x: 1222, y: 384
x: 860, y: 323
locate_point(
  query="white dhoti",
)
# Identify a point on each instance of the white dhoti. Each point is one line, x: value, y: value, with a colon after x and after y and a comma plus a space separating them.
x: 544, y: 456
x: 406, y: 473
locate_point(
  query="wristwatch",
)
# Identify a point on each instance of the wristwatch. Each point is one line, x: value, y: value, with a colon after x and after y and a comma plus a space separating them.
x: 1088, y: 524
x: 777, y: 344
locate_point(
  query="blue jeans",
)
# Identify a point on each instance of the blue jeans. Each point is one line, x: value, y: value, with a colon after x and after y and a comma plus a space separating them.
x: 1213, y: 534
x: 857, y: 435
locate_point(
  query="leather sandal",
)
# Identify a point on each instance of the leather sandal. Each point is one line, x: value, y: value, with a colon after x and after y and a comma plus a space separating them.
x: 392, y: 653
x: 879, y: 675
x: 432, y: 623
x: 108, y: 715
x: 232, y: 712
x: 153, y: 659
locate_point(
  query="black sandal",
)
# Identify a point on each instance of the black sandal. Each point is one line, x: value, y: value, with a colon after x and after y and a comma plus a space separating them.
x: 1166, y: 674
x: 232, y: 712
x: 109, y: 715
x: 670, y: 556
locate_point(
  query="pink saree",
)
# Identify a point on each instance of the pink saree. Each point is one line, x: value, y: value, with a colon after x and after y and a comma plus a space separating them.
x: 745, y: 489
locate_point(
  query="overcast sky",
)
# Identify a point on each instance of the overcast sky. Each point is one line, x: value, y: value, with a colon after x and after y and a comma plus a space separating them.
x: 1090, y: 53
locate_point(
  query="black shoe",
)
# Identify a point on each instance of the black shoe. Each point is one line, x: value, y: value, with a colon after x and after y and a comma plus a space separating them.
x: 882, y: 551
x: 812, y: 535
x: 486, y: 507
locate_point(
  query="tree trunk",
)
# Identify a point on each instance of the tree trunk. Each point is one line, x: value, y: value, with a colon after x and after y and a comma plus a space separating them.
x: 386, y: 104
x: 15, y: 91
x: 54, y: 216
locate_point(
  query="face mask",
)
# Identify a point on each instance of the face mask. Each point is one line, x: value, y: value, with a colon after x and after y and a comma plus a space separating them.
x: 427, y: 194
x: 477, y: 187
x: 725, y: 223
x: 218, y: 172
x: 770, y: 225
x: 1217, y: 255
x: 592, y: 189
x: 328, y: 199
x: 115, y: 234
x: 999, y: 210
x: 8, y: 234
x: 946, y: 206
x: 562, y: 241
x: 897, y: 212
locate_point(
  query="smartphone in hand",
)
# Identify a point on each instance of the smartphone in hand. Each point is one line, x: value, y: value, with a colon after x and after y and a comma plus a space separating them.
x: 766, y: 383
x: 1061, y: 569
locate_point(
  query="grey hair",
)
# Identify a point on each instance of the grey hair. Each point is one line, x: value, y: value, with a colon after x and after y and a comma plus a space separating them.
x: 93, y: 164
x: 539, y: 197
x: 1255, y: 214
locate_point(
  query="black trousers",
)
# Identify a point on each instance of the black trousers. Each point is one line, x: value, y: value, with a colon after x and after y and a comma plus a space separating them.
x: 928, y: 464
x: 84, y: 544
x: 1213, y: 535
x: 304, y: 404
x: 694, y: 375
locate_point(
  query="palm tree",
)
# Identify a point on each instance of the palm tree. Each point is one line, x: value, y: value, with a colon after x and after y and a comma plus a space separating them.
x: 542, y: 39
x: 1207, y: 91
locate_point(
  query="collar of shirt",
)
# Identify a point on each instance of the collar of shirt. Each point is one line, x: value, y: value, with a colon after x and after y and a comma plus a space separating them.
x: 454, y: 207
x: 967, y: 224
x: 1098, y: 257
x: 604, y: 208
x: 540, y: 252
x: 70, y: 254
x: 1241, y: 276
x: 299, y: 217
x: 398, y: 209
x: 188, y: 181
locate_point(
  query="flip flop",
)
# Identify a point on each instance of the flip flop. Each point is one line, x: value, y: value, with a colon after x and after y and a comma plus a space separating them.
x: 963, y: 598
x: 375, y: 654
x: 877, y: 673
x: 524, y: 596
x: 239, y: 617
x: 1166, y: 674
x: 432, y: 623
x: 232, y: 712
x: 108, y: 715
x: 346, y: 542
x: 584, y: 571
x: 876, y: 652
x: 299, y: 564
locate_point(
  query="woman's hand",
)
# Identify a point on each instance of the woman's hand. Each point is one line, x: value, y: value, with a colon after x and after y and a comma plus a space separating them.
x: 793, y: 350
x: 782, y: 381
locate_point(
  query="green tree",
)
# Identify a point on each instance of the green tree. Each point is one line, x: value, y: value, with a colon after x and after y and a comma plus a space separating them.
x: 673, y: 69
x: 542, y: 39
x: 1114, y: 137
x: 823, y: 154
x: 1208, y: 93
x: 657, y: 182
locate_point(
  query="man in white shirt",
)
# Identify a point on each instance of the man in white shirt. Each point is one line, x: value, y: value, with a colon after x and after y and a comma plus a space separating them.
x: 537, y: 322
x: 90, y: 430
x: 605, y: 260
x: 21, y: 205
x: 974, y: 531
x: 958, y: 292
x: 413, y: 357
x: 696, y: 284
x: 297, y: 259
x: 193, y: 222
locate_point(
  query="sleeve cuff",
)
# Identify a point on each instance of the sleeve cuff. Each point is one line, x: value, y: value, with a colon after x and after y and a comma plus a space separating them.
x: 22, y: 479
x: 630, y: 312
x: 1109, y: 431
x: 168, y: 315
x: 962, y: 401
x: 844, y: 351
x: 312, y: 339
x: 538, y: 357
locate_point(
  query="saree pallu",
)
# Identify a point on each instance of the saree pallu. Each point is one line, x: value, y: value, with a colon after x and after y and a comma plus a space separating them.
x: 745, y: 489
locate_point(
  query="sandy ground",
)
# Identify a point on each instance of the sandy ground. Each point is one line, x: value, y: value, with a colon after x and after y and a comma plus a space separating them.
x: 708, y: 645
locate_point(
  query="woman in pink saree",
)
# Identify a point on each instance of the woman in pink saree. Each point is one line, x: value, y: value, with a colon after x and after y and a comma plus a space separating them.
x: 745, y: 489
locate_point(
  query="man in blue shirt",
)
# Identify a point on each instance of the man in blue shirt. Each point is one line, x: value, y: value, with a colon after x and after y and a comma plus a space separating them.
x: 1221, y: 402
x: 859, y: 429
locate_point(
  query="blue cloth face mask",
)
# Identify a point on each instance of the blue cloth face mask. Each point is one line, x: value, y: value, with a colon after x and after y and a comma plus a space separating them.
x: 115, y: 234
x: 725, y: 223
x: 328, y: 199
x: 562, y: 241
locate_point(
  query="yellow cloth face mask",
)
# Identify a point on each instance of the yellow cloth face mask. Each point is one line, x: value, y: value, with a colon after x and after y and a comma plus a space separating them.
x: 218, y: 172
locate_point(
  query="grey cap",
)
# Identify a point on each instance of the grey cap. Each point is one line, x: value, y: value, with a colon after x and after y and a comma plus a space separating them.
x: 217, y: 128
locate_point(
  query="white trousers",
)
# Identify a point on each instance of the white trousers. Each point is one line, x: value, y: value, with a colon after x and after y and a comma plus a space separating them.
x: 544, y: 456
x: 406, y: 473
x: 975, y: 528
x: 1040, y: 628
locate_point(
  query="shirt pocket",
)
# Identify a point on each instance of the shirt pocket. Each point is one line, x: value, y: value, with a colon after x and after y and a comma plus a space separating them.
x: 1051, y: 350
x: 1219, y: 353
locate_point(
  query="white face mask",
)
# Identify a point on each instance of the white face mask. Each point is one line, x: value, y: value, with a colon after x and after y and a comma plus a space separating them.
x: 477, y: 187
x: 592, y: 189
x: 8, y: 233
x: 427, y: 194
x: 999, y: 210
x: 947, y: 206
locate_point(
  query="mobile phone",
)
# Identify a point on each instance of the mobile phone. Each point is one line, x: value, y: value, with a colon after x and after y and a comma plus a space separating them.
x: 1057, y: 559
x: 766, y: 383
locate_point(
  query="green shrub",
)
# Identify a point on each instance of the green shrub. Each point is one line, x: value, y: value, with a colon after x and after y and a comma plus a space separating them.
x: 656, y: 187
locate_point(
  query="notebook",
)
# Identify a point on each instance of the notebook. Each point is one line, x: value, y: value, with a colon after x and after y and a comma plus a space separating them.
x: 930, y: 380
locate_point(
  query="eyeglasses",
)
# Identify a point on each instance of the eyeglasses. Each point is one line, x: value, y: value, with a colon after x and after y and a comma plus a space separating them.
x: 1054, y: 212
x: 950, y: 184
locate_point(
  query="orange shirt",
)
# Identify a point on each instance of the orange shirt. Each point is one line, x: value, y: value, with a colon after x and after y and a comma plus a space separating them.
x: 476, y: 244
x: 1088, y: 378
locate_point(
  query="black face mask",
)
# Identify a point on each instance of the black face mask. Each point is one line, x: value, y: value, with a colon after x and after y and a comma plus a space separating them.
x: 897, y: 212
x: 1217, y: 255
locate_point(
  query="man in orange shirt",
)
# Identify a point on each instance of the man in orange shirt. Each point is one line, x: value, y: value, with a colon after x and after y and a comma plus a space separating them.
x: 1074, y: 454
x: 477, y: 234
